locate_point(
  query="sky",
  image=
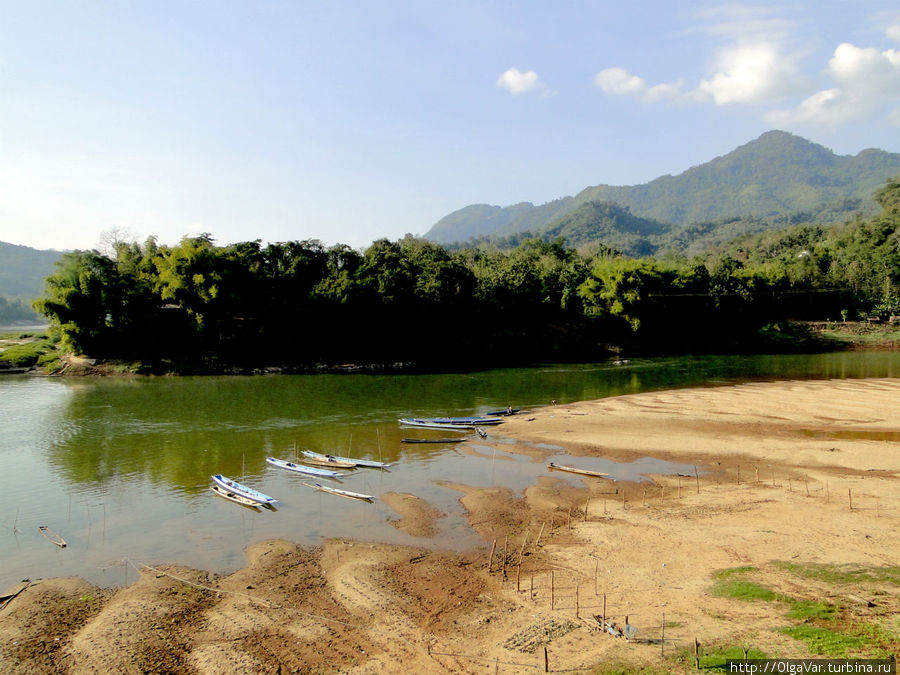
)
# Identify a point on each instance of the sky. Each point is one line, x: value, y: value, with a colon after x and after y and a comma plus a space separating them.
x: 352, y: 121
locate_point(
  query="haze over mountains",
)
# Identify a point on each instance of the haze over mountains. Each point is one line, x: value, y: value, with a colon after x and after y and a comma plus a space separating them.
x: 776, y: 180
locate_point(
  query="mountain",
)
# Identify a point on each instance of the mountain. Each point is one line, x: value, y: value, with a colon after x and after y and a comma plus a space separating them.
x: 22, y: 271
x: 775, y: 175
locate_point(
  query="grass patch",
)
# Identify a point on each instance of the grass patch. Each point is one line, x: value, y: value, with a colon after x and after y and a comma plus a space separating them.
x: 825, y: 641
x: 805, y: 610
x: 26, y: 355
x: 731, y: 571
x: 741, y: 589
x: 717, y: 657
x: 842, y: 574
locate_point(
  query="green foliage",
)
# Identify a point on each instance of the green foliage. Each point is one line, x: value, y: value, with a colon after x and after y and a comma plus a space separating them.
x: 741, y: 589
x: 716, y: 657
x: 826, y: 641
x: 207, y: 307
x: 842, y: 574
x: 35, y: 352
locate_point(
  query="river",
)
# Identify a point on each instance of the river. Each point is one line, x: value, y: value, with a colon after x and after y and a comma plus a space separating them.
x: 120, y: 467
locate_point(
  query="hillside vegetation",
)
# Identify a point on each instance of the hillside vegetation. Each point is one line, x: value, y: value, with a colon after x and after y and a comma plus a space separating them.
x: 778, y: 179
x: 198, y: 306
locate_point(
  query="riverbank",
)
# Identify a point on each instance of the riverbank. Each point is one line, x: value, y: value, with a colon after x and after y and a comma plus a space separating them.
x: 785, y: 541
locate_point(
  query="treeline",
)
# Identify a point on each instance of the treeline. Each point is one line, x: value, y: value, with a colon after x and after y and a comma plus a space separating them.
x: 15, y: 311
x: 199, y: 306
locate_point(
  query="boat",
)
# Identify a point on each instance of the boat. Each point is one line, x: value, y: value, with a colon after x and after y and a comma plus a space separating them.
x: 52, y: 536
x: 501, y: 413
x: 243, y: 490
x: 332, y: 460
x: 572, y: 469
x: 432, y: 440
x: 460, y: 423
x: 234, y: 497
x: 341, y: 493
x: 300, y: 468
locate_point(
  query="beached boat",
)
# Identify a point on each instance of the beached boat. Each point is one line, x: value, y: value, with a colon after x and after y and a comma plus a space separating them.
x: 335, y: 463
x: 341, y: 493
x: 573, y: 469
x: 432, y: 440
x: 501, y: 413
x: 455, y: 423
x: 243, y: 490
x: 300, y: 468
x: 234, y: 497
x: 332, y: 460
x: 52, y: 536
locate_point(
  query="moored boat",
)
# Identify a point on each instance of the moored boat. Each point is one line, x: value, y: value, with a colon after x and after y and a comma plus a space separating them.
x: 243, y: 490
x: 341, y: 493
x: 300, y: 468
x: 234, y: 497
x: 572, y: 469
x: 52, y: 536
x: 458, y: 423
x: 432, y: 440
x: 333, y: 460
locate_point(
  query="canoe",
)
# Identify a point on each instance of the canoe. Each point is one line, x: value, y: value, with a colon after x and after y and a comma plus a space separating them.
x: 573, y: 469
x: 426, y: 424
x: 502, y: 413
x: 300, y: 468
x: 52, y: 536
x: 333, y: 460
x: 432, y: 440
x: 243, y: 490
x: 314, y: 461
x: 234, y: 497
x: 341, y: 493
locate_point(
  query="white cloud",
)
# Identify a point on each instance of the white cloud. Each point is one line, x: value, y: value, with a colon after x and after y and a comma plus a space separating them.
x: 619, y: 81
x: 893, y: 32
x: 866, y: 70
x: 517, y: 82
x: 752, y: 73
x: 866, y: 79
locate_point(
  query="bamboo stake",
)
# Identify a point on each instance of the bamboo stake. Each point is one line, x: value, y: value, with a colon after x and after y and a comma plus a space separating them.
x: 552, y: 591
x: 806, y: 483
x: 538, y: 541
x: 505, y: 553
x: 697, y: 478
x: 569, y: 519
x: 546, y: 662
x: 576, y: 601
x: 757, y: 475
x: 739, y: 475
x: 586, y: 505
x: 518, y: 574
x: 662, y: 638
x: 596, y: 566
x: 850, y: 497
x: 531, y: 589
x: 491, y: 557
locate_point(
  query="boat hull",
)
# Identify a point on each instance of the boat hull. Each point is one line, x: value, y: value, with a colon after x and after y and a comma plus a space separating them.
x: 243, y: 490
x: 299, y: 468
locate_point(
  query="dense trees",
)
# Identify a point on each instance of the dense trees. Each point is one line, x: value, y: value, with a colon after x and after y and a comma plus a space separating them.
x: 294, y: 304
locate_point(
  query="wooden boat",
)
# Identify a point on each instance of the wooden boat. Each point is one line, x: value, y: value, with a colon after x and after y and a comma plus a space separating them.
x: 332, y: 460
x: 432, y: 440
x: 573, y: 469
x: 341, y: 493
x: 460, y: 423
x: 501, y: 413
x: 337, y: 464
x: 243, y: 490
x: 300, y: 468
x: 52, y: 536
x: 234, y: 497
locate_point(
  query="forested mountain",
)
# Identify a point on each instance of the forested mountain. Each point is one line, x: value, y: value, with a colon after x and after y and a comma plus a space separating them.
x: 22, y: 270
x: 779, y: 178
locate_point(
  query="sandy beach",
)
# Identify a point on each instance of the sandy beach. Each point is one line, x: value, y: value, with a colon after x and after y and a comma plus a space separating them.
x: 785, y: 537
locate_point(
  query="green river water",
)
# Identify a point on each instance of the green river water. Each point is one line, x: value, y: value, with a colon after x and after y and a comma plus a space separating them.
x: 121, y: 467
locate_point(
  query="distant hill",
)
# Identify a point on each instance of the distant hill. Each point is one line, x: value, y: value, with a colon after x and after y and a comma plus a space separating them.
x: 22, y: 271
x: 776, y: 175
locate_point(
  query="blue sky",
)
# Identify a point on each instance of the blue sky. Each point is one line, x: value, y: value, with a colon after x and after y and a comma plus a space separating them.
x: 350, y: 121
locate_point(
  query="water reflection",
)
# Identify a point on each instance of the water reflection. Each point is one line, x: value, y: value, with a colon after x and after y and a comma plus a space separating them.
x: 121, y: 466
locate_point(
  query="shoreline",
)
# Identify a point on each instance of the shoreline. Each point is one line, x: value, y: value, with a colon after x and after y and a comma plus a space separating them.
x: 793, y: 477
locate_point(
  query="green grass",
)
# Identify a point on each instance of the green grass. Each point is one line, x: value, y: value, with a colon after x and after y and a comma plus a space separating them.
x: 716, y: 657
x: 804, y: 610
x: 731, y: 571
x: 825, y: 641
x: 842, y: 574
x: 25, y: 355
x: 741, y: 589
x: 621, y: 668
